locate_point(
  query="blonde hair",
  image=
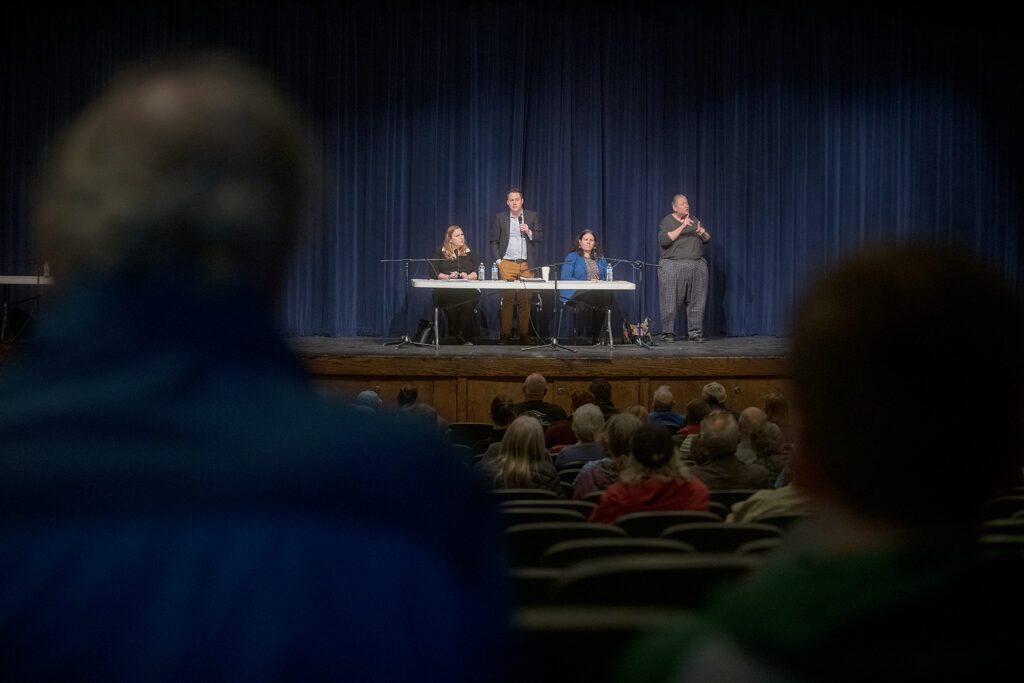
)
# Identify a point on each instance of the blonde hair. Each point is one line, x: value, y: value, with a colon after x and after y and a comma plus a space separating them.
x: 446, y: 248
x: 618, y: 437
x: 522, y: 449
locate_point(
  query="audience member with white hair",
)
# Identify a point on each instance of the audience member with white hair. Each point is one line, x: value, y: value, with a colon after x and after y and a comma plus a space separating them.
x: 662, y: 412
x: 587, y: 423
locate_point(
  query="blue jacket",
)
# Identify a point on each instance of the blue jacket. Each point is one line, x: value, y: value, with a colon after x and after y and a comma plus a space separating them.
x: 179, y: 501
x: 575, y: 268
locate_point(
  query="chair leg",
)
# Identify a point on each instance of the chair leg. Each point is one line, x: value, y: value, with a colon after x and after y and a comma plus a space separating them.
x: 437, y: 329
x: 608, y: 327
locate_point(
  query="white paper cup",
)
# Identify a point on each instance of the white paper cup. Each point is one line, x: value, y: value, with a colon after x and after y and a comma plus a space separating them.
x: 545, y: 271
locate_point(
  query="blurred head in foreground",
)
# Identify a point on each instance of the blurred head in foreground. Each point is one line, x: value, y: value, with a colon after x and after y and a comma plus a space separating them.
x: 195, y: 165
x: 936, y: 323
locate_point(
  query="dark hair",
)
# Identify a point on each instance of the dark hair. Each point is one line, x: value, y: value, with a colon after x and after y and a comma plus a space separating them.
x: 407, y: 395
x: 696, y: 410
x: 502, y: 412
x: 517, y: 191
x: 580, y: 397
x: 776, y: 408
x: 652, y: 446
x: 885, y: 317
x: 601, y: 389
x: 596, y: 253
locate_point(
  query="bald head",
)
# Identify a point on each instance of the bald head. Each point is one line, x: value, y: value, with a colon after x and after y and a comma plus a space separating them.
x: 199, y: 166
x: 535, y: 387
x: 750, y: 419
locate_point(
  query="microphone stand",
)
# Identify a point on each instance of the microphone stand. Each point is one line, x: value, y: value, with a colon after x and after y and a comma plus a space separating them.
x: 553, y: 344
x: 405, y: 340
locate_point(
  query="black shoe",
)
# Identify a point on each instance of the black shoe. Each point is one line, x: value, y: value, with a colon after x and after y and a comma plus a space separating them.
x: 667, y: 337
x: 699, y: 340
x: 459, y: 339
x: 505, y: 340
x: 534, y: 341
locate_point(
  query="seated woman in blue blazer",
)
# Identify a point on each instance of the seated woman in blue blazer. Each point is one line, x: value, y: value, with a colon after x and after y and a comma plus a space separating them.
x: 587, y: 263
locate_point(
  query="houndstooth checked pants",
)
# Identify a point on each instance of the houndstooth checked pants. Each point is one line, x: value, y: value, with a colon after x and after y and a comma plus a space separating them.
x: 683, y: 281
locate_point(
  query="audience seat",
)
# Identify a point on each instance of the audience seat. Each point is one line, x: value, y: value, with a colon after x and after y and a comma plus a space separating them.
x: 716, y: 537
x: 468, y: 433
x: 761, y: 546
x: 729, y: 497
x: 524, y: 494
x: 783, y: 522
x: 664, y: 580
x: 1004, y: 506
x: 582, y: 506
x: 532, y: 585
x: 651, y: 524
x: 528, y: 542
x: 568, y: 553
x: 718, y: 509
x: 517, y: 515
x: 569, y: 474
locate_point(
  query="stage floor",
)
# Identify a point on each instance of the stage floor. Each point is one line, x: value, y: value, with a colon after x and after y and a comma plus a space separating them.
x: 721, y: 347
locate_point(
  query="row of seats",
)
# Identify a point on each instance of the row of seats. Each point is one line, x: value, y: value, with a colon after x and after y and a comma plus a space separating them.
x: 722, y: 500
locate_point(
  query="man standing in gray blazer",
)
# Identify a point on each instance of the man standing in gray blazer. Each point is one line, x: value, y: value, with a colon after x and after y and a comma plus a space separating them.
x: 514, y: 237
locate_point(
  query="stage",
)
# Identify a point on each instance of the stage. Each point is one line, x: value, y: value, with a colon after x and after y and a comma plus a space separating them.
x: 460, y: 381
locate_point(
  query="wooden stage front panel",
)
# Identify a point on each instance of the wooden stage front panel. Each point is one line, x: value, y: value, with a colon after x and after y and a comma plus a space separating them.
x: 461, y: 381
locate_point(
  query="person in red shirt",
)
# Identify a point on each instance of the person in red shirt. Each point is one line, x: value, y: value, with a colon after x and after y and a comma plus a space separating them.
x: 652, y: 480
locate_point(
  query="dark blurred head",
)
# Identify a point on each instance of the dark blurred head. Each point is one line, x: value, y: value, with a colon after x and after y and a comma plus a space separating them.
x: 653, y: 447
x: 407, y: 395
x: 776, y: 408
x: 766, y: 439
x: 601, y: 390
x: 502, y: 412
x: 197, y: 165
x: 936, y: 323
x: 696, y: 410
x: 580, y: 398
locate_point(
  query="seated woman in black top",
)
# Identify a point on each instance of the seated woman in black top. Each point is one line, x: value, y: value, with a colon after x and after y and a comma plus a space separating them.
x: 454, y: 261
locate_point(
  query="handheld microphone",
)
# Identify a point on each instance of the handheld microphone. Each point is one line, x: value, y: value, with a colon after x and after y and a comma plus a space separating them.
x: 521, y: 233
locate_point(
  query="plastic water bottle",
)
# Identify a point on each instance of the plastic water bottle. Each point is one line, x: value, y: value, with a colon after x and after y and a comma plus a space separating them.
x: 480, y: 271
x: 610, y: 276
x: 494, y: 270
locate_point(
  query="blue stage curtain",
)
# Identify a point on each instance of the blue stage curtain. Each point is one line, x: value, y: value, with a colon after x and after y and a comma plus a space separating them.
x: 799, y: 134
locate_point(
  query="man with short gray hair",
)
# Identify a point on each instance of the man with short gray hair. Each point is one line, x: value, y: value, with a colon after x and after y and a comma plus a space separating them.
x: 719, y: 435
x: 750, y: 419
x: 661, y: 409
